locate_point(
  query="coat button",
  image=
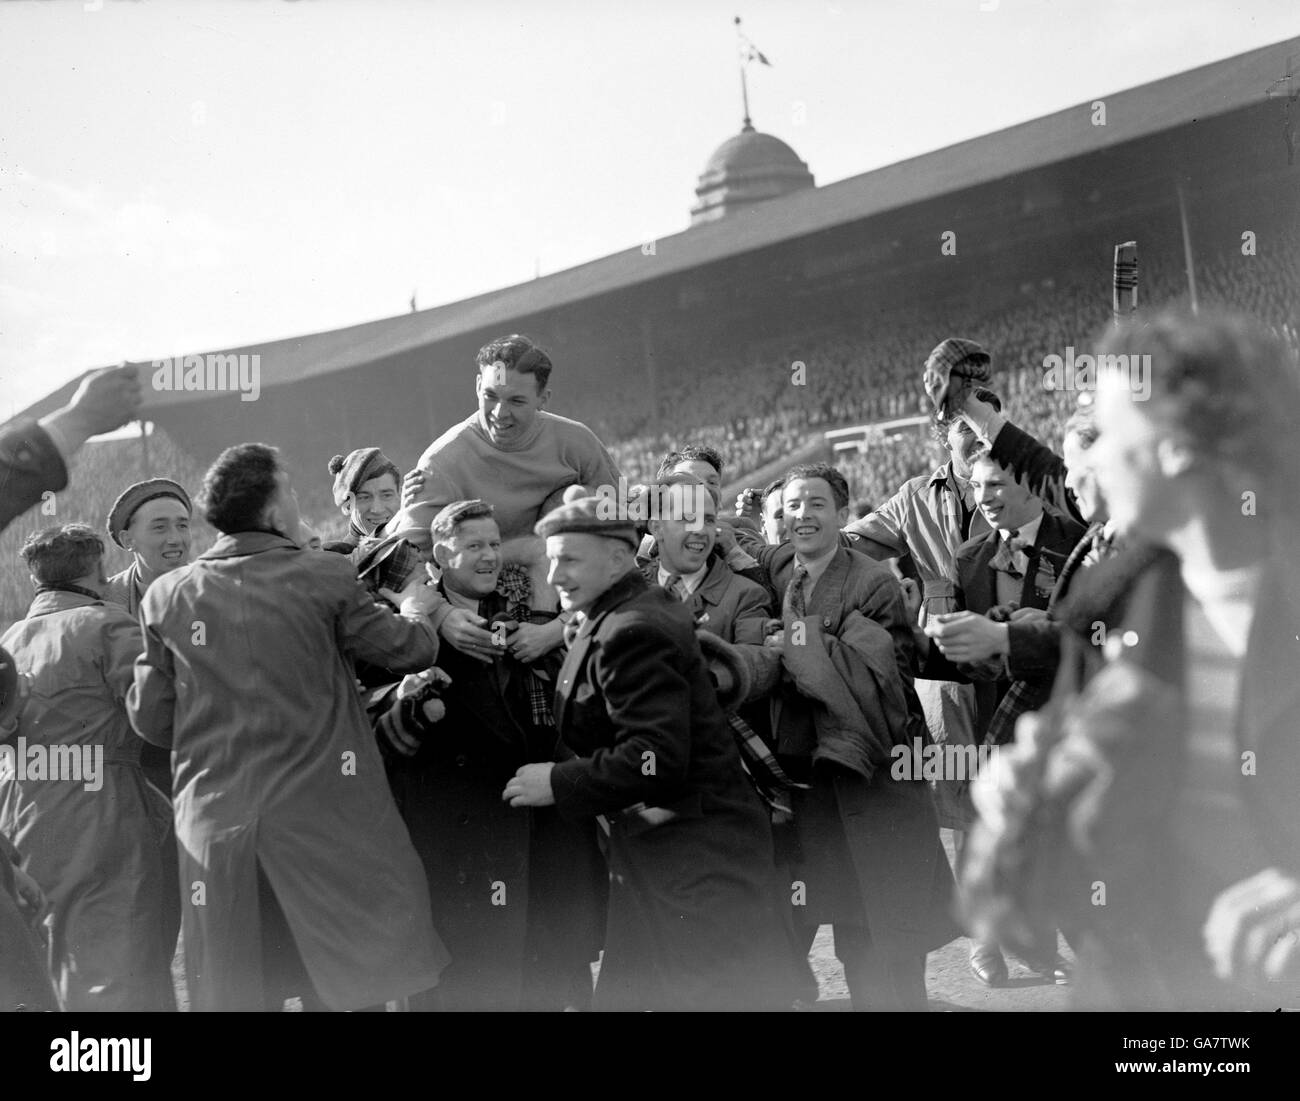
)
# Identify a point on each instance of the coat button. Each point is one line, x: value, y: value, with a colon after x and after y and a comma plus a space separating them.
x: 461, y: 760
x: 462, y: 820
x: 462, y: 878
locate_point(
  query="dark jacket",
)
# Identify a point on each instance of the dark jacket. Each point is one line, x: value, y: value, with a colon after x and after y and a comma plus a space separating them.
x: 30, y: 464
x: 517, y: 894
x: 691, y: 920
x: 977, y: 592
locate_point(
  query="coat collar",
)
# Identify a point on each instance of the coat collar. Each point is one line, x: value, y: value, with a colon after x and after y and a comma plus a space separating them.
x: 49, y: 602
x: 623, y: 590
x: 713, y: 587
x: 241, y: 543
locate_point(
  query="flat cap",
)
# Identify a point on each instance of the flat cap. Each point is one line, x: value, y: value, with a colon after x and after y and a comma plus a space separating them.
x: 955, y: 358
x: 600, y: 515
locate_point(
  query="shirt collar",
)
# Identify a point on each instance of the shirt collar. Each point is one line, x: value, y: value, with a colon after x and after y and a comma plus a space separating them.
x: 816, y: 568
x: 690, y: 580
x: 1026, y: 533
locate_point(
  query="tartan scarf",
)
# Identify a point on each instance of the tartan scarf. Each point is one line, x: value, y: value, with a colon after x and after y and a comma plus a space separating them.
x: 770, y: 780
x: 516, y: 587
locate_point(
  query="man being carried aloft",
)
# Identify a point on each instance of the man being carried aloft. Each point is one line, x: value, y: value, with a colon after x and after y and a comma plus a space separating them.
x: 514, y: 454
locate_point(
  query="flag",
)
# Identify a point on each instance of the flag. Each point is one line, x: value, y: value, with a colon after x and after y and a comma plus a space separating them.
x: 748, y: 51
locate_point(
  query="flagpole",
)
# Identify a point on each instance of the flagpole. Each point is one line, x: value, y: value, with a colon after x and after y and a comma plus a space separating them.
x: 744, y: 87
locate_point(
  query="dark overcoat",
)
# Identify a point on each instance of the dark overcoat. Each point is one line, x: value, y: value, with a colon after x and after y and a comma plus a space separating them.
x: 517, y: 893
x: 691, y: 920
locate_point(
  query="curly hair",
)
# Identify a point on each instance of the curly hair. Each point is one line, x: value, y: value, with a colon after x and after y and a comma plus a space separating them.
x: 1223, y: 380
x: 239, y: 485
x: 516, y: 353
x: 61, y: 554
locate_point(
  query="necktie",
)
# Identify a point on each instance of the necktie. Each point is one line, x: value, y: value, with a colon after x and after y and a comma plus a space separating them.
x: 1010, y: 557
x: 676, y: 587
x: 794, y: 592
x: 571, y: 630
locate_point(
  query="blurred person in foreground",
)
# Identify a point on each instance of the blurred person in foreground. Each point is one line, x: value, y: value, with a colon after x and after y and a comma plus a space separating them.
x: 285, y: 825
x: 1152, y: 806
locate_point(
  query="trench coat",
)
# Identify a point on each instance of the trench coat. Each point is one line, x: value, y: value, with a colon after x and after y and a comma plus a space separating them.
x: 692, y: 924
x: 98, y: 853
x: 247, y: 677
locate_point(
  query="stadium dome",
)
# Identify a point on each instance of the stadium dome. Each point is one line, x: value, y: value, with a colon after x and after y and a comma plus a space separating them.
x: 745, y: 169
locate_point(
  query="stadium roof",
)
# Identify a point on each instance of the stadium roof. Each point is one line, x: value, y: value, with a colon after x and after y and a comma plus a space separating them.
x: 1174, y: 101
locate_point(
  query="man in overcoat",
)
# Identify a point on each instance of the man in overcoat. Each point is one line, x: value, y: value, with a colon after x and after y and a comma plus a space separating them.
x: 247, y: 677
x: 691, y: 922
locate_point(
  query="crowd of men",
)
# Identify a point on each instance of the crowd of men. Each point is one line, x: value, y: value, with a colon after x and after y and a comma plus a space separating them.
x: 524, y: 718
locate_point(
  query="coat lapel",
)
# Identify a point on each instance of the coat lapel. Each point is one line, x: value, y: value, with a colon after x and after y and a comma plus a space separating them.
x: 978, y: 584
x: 572, y: 671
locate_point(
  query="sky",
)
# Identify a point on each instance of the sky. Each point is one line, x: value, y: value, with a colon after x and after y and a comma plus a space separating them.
x: 184, y: 175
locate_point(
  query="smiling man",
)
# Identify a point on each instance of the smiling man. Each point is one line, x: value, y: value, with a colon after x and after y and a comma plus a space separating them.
x: 691, y: 922
x: 513, y: 454
x: 150, y: 519
x: 863, y: 844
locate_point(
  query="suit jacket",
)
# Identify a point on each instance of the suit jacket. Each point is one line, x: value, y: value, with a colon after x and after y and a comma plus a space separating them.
x: 977, y: 592
x: 691, y: 921
x: 1111, y: 762
x: 30, y: 464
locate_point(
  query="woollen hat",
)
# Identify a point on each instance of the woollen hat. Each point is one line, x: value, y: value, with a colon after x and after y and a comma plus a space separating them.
x: 954, y: 359
x: 126, y: 506
x: 589, y: 516
x: 352, y: 472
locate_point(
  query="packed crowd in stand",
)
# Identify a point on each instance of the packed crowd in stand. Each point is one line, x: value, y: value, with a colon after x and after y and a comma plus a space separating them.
x: 506, y: 719
x: 869, y: 376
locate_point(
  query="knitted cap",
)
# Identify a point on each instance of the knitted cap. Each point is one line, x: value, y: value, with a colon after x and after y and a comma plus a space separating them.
x: 351, y: 473
x: 126, y: 506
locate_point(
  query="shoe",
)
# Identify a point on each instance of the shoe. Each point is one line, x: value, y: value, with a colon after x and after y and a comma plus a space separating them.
x: 987, y: 964
x: 1055, y: 970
